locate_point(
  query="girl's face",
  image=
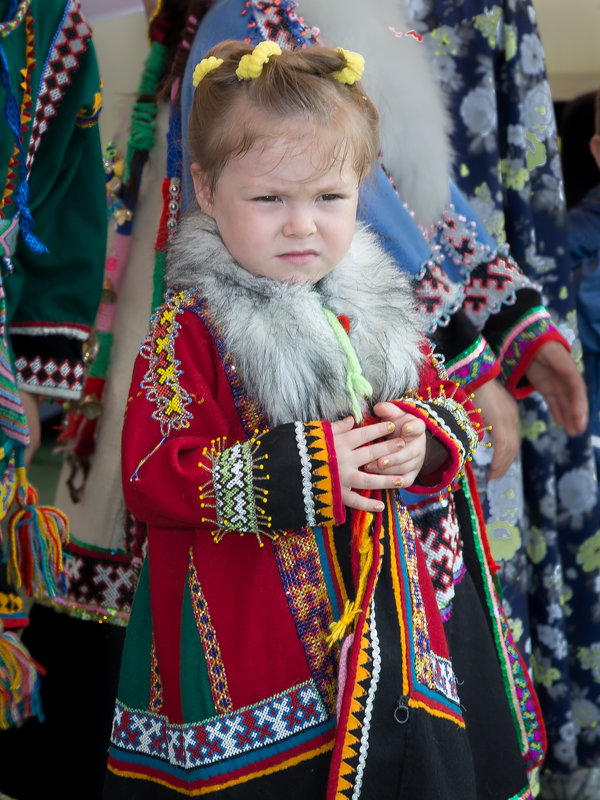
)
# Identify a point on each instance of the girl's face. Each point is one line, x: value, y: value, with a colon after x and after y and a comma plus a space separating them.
x: 280, y: 212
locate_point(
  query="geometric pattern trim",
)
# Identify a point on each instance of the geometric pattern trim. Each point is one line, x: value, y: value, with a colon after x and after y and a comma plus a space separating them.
x: 208, y: 637
x: 223, y: 737
x: 161, y: 380
x: 69, y: 45
x: 277, y: 22
x: 302, y: 578
x: 474, y: 365
x: 49, y: 377
x: 436, y: 525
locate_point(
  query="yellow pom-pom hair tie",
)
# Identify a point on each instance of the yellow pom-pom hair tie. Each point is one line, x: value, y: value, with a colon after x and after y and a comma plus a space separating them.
x: 251, y: 65
x: 353, y: 71
x: 204, y: 67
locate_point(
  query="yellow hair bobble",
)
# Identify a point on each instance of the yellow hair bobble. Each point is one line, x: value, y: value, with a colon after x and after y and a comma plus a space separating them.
x: 251, y: 65
x: 204, y: 67
x: 353, y: 71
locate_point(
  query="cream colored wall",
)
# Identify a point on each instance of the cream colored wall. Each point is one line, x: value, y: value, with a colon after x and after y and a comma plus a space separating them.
x: 122, y: 47
x: 570, y: 31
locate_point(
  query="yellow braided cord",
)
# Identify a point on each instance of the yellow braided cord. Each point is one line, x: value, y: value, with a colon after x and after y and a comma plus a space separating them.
x: 353, y: 71
x: 251, y: 65
x: 204, y: 67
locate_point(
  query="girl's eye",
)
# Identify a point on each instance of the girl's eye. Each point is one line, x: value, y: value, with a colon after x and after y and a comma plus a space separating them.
x: 267, y: 198
x: 329, y: 197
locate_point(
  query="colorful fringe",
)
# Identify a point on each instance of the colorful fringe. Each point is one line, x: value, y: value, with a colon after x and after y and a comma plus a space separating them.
x: 35, y: 537
x: 19, y: 682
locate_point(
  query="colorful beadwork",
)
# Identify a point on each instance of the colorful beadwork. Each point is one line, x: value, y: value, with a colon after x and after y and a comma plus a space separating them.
x: 6, y: 28
x: 208, y: 636
x: 436, y: 525
x: 301, y: 572
x: 161, y: 381
x: 57, y: 74
x: 473, y: 364
x: 224, y: 738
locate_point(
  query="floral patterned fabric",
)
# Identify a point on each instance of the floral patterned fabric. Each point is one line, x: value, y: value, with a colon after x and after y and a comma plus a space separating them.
x: 544, y: 528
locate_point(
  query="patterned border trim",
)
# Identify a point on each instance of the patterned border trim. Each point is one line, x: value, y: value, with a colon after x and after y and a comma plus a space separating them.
x: 309, y: 505
x: 475, y: 366
x: 277, y: 18
x: 438, y: 297
x: 99, y: 585
x: 72, y: 331
x: 156, y: 687
x: 215, y: 742
x: 326, y: 494
x: 234, y: 489
x: 302, y: 577
x: 208, y: 636
x: 70, y: 43
x: 50, y: 378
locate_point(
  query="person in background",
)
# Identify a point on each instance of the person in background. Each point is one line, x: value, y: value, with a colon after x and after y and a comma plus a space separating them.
x: 583, y: 225
x: 52, y: 248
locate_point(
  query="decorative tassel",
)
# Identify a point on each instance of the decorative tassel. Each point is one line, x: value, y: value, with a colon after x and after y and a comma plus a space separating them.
x: 20, y: 678
x: 35, y: 538
x: 361, y: 531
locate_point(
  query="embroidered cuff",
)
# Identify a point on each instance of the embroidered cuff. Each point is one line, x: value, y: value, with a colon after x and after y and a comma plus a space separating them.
x: 473, y: 367
x: 453, y: 426
x: 492, y: 283
x: 282, y: 479
x: 520, y: 345
x: 48, y: 360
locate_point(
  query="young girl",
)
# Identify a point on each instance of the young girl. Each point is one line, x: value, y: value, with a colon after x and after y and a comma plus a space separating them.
x: 285, y: 639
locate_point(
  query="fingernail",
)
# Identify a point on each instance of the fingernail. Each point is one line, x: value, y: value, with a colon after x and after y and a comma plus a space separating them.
x: 378, y: 507
x: 391, y: 427
x: 397, y: 482
x: 409, y: 429
x: 369, y: 468
x: 400, y: 444
x: 385, y: 462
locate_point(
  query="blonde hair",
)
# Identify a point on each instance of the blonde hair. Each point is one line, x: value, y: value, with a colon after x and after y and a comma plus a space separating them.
x: 229, y: 116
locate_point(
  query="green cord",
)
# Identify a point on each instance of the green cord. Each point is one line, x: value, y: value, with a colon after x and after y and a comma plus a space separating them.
x: 143, y: 128
x: 356, y: 383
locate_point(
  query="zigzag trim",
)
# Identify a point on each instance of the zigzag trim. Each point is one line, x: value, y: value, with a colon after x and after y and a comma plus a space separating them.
x: 322, y: 485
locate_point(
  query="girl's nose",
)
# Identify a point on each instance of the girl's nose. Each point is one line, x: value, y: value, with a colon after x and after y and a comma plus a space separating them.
x: 300, y: 222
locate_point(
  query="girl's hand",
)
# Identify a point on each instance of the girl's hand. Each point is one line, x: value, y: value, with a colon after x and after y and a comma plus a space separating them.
x: 409, y: 435
x: 356, y: 447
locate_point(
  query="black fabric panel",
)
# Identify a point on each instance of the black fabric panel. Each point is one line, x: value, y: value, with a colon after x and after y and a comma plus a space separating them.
x: 305, y: 781
x: 285, y: 501
x: 456, y: 337
x: 65, y: 756
x: 499, y: 769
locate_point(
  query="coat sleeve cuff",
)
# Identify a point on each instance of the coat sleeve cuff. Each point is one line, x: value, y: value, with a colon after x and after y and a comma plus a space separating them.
x: 281, y: 479
x: 474, y: 366
x: 454, y: 425
x: 520, y: 345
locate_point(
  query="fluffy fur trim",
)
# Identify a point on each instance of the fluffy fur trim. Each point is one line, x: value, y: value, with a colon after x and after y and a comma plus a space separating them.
x: 285, y: 351
x: 398, y: 77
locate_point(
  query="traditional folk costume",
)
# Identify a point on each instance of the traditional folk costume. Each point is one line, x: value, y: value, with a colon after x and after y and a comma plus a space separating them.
x: 230, y: 680
x: 52, y: 232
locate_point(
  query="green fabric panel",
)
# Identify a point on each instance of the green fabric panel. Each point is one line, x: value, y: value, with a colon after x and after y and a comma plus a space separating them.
x: 134, y: 685
x: 67, y: 192
x: 195, y: 685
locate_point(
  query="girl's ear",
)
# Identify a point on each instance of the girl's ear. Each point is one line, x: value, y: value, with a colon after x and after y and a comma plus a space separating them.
x: 202, y: 189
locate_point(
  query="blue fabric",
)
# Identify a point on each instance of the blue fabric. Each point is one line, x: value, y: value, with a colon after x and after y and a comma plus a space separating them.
x: 583, y: 225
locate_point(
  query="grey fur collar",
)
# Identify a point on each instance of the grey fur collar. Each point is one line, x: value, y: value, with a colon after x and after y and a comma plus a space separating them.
x: 285, y: 351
